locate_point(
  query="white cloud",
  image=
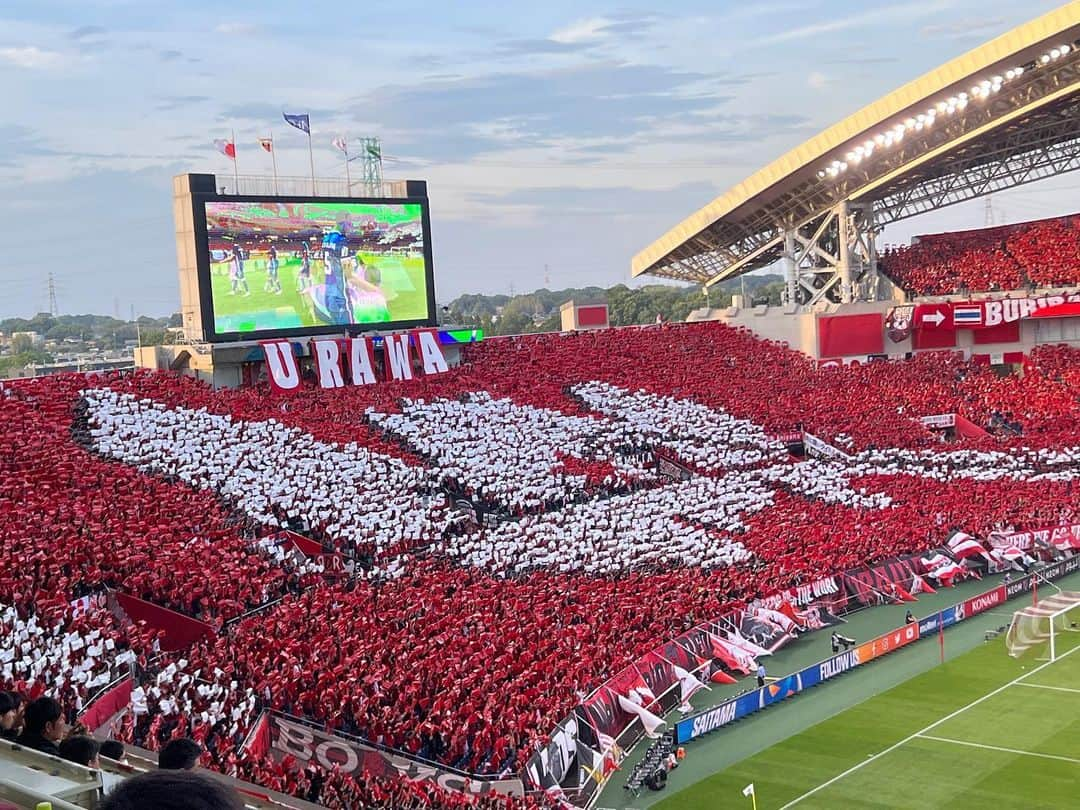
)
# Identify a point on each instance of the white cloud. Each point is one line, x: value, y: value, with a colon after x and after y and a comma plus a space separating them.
x: 30, y: 57
x: 582, y: 31
x: 235, y: 28
x: 817, y: 80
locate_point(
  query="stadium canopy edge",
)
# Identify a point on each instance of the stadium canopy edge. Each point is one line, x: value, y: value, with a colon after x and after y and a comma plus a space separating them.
x: 1003, y: 114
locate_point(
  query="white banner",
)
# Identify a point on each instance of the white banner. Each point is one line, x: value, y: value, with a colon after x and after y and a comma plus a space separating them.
x: 819, y: 447
x: 944, y: 420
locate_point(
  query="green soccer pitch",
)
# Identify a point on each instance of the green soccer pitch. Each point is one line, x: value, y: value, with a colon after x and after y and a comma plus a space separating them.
x: 982, y: 730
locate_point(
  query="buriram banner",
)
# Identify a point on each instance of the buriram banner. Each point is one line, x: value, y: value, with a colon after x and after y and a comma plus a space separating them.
x: 351, y: 361
x: 308, y: 745
x: 739, y: 707
x: 990, y: 314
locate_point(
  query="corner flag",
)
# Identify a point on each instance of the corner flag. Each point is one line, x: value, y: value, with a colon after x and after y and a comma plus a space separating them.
x: 749, y: 791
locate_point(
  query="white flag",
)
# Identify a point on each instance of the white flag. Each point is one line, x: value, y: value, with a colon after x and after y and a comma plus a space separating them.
x: 341, y: 144
x: 748, y: 790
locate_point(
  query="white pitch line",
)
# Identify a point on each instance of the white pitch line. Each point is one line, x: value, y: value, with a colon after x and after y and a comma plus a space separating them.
x: 919, y: 733
x: 999, y: 748
x: 1044, y: 686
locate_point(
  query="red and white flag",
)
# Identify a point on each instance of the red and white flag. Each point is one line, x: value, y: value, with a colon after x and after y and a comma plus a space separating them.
x: 227, y: 148
x: 649, y: 720
x: 267, y: 144
x: 732, y: 657
x: 964, y: 545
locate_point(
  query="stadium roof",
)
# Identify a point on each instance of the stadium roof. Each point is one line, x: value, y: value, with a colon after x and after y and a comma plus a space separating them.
x: 1001, y: 115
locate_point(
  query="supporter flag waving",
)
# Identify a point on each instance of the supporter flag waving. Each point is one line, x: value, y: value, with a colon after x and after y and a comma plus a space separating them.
x: 301, y: 122
x: 963, y: 545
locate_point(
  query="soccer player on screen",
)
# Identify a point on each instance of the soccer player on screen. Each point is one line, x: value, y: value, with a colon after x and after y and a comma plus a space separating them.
x: 273, y: 282
x: 334, y: 247
x: 303, y: 278
x: 367, y: 302
x: 236, y: 272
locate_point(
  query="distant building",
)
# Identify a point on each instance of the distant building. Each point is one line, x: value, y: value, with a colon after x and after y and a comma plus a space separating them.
x: 36, y: 338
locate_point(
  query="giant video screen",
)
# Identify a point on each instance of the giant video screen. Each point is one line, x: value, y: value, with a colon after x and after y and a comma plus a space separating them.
x: 307, y: 266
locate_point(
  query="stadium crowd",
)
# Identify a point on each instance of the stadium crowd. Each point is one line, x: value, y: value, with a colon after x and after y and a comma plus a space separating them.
x: 1044, y: 253
x: 459, y: 641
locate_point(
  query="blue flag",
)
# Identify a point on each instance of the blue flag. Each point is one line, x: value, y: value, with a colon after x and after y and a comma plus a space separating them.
x: 301, y: 122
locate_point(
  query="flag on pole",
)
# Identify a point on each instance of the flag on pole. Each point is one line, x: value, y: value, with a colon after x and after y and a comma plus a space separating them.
x: 341, y: 143
x: 748, y: 790
x: 301, y: 122
x: 226, y: 147
x: 267, y: 144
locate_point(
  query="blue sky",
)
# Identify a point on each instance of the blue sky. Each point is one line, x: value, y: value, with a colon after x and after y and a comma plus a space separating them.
x: 554, y: 135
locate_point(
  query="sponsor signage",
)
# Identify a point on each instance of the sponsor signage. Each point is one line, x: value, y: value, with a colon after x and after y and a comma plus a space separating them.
x: 984, y: 601
x: 837, y: 665
x: 888, y: 642
x: 308, y: 745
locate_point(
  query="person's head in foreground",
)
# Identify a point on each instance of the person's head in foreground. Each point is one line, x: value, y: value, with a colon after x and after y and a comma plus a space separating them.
x: 181, y: 754
x: 112, y: 749
x: 82, y: 750
x: 172, y: 790
x: 45, y: 721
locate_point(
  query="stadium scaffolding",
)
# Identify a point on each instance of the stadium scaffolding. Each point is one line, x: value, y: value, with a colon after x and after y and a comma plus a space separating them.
x: 1000, y: 116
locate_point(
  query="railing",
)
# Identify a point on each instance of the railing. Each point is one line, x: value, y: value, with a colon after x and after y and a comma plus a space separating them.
x: 266, y: 186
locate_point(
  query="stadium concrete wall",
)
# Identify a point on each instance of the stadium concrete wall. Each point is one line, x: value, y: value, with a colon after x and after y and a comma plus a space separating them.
x: 798, y: 327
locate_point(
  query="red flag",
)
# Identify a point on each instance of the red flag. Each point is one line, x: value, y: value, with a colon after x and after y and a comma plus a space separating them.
x: 789, y: 610
x: 267, y: 144
x: 227, y: 148
x: 907, y: 597
x: 721, y: 677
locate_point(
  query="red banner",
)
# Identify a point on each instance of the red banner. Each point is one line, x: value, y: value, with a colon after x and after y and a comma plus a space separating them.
x: 304, y: 745
x: 106, y: 706
x: 179, y: 631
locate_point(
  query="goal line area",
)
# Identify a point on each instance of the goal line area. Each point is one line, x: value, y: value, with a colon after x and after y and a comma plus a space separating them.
x: 1039, y: 627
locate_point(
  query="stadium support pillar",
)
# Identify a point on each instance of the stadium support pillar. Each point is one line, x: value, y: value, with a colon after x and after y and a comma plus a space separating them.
x: 791, y: 272
x: 844, y: 239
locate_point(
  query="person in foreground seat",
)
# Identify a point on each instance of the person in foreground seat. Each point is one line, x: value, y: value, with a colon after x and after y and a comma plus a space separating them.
x: 45, y: 726
x: 82, y: 750
x: 172, y: 790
